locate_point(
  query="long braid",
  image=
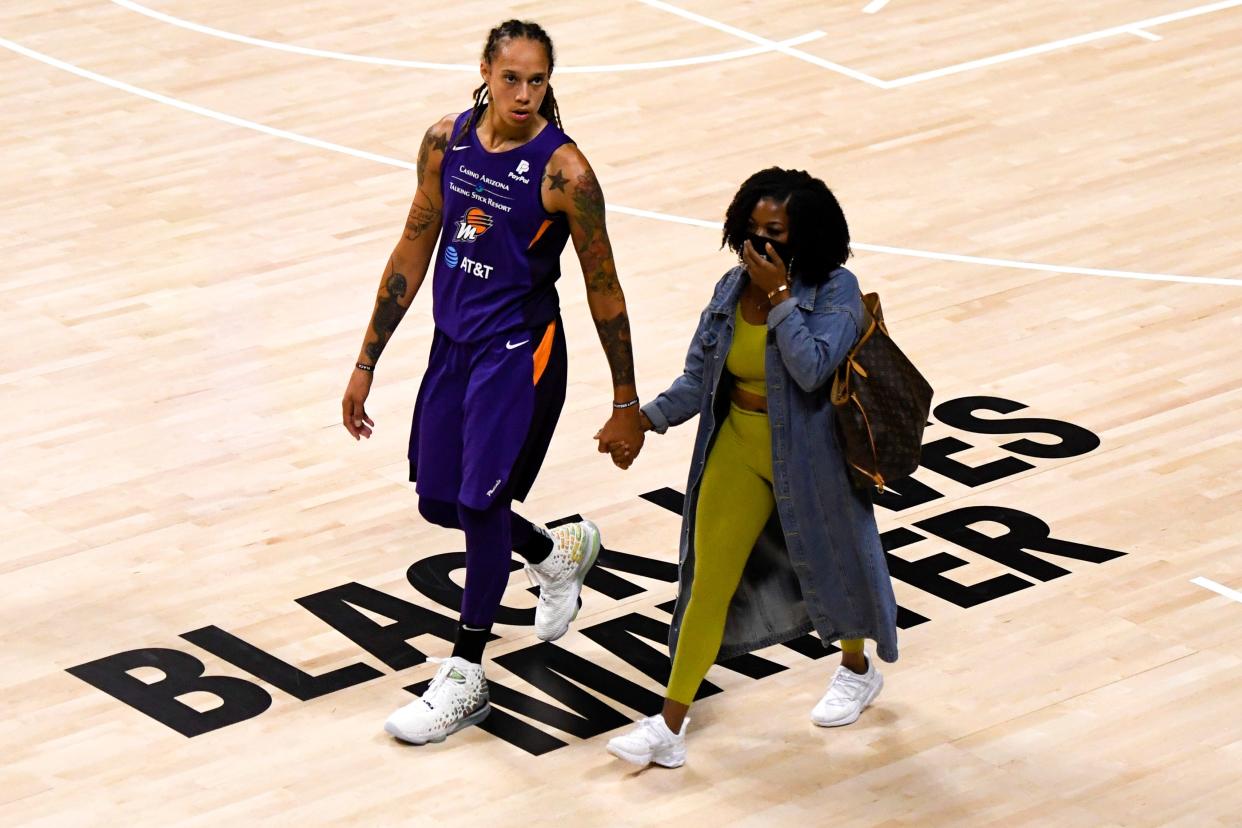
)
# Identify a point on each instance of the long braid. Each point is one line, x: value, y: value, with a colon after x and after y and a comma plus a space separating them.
x: 515, y: 30
x: 480, y: 103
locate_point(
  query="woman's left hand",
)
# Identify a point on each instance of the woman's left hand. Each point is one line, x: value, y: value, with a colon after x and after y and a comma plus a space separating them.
x: 767, y: 274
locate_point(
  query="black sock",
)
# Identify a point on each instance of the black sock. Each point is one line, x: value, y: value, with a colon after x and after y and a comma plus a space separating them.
x: 470, y: 642
x: 529, y: 542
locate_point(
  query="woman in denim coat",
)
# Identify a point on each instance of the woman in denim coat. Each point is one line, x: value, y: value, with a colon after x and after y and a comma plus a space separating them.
x: 782, y: 542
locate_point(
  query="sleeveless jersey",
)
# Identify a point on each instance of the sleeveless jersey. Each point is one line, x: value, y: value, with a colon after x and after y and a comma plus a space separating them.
x: 499, y: 254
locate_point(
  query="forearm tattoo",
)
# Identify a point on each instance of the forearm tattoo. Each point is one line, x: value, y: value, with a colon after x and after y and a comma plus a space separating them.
x: 594, y: 250
x: 614, y: 335
x: 388, y: 314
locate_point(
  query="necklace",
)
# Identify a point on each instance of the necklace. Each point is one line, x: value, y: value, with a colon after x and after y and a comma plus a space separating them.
x: 760, y: 306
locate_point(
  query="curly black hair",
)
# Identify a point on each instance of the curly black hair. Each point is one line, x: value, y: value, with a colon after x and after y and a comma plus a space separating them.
x: 818, y: 234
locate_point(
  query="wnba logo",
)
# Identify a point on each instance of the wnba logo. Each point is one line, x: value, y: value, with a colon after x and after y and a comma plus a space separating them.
x: 472, y: 225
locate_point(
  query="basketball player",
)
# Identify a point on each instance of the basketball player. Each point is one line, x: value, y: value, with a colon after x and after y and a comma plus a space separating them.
x: 502, y: 188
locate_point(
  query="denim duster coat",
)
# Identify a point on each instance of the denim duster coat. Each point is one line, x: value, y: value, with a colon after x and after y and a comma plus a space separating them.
x: 818, y: 563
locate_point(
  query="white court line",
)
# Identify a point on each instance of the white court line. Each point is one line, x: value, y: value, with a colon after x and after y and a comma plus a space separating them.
x: 454, y: 67
x: 874, y: 6
x: 774, y: 45
x: 615, y: 208
x: 1221, y: 589
x: 1126, y: 28
x: 764, y: 45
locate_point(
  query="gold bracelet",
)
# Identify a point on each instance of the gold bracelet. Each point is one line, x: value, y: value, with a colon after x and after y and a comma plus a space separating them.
x: 776, y: 291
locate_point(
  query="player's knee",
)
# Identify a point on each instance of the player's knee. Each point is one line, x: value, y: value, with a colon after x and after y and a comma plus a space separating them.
x: 438, y: 512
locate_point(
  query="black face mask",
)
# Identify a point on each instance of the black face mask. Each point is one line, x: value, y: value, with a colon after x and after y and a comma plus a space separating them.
x: 782, y: 248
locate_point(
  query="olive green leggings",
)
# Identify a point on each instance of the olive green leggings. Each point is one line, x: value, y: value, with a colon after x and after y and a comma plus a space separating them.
x: 735, y: 502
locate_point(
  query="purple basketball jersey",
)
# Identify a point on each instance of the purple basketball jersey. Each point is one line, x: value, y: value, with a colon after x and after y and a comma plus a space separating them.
x: 499, y: 255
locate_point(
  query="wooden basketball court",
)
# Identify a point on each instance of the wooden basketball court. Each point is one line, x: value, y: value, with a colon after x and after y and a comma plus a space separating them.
x: 198, y: 201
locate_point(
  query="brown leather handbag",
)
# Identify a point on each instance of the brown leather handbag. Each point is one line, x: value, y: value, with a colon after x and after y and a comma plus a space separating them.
x: 882, y: 403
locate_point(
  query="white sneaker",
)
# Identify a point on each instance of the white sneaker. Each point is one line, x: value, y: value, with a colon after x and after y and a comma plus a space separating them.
x: 847, y: 696
x: 455, y: 699
x: 575, y: 546
x: 651, y: 741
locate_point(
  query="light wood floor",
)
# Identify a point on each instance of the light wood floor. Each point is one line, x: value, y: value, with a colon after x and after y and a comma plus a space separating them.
x: 185, y: 281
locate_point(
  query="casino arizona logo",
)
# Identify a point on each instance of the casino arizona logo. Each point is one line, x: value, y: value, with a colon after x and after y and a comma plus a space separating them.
x: 587, y: 693
x: 473, y: 224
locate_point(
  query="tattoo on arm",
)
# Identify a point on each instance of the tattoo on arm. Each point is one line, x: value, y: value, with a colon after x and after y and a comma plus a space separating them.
x: 614, y: 335
x: 423, y: 217
x: 388, y: 314
x: 433, y: 141
x: 556, y: 181
x: 420, y: 220
x: 594, y: 250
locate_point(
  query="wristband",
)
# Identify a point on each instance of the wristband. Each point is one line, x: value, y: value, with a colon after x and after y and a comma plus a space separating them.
x: 620, y: 406
x: 362, y: 366
x: 776, y: 291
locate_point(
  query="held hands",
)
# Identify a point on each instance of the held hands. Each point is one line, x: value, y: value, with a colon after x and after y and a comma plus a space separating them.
x: 622, y: 436
x: 353, y: 411
x: 767, y: 274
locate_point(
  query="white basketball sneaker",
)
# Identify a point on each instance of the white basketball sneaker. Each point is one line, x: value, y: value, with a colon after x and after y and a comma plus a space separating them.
x: 575, y: 546
x: 847, y: 696
x: 651, y: 741
x: 455, y: 699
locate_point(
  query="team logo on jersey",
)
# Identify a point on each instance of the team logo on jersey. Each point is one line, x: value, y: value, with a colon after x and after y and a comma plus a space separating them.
x: 472, y: 225
x: 517, y: 175
x: 450, y: 256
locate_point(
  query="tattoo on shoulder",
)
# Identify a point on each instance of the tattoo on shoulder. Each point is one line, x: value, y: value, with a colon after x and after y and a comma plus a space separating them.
x: 589, y: 199
x: 435, y: 140
x: 556, y: 181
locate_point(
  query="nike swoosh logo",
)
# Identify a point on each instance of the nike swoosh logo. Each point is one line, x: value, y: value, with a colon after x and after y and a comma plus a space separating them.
x: 511, y: 345
x: 467, y: 146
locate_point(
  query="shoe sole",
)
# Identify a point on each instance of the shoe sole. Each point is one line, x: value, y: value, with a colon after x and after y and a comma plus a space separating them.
x: 473, y: 719
x: 643, y: 762
x: 588, y: 561
x: 850, y: 720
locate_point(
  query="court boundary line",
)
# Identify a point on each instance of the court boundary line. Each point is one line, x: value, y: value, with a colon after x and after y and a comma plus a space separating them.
x: 1219, y: 589
x: 318, y: 143
x: 763, y: 45
x: 957, y: 68
x: 718, y: 57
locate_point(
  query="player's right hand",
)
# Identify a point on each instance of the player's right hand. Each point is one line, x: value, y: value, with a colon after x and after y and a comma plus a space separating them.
x: 353, y: 405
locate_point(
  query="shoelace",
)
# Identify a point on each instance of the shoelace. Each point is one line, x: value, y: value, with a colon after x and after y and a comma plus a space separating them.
x: 437, y: 681
x: 853, y: 682
x: 648, y: 726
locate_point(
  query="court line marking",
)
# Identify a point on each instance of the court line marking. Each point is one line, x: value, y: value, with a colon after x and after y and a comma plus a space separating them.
x: 874, y: 6
x: 615, y: 208
x: 1005, y: 57
x: 1125, y: 28
x: 764, y: 45
x: 453, y: 67
x: 774, y: 45
x: 1220, y: 589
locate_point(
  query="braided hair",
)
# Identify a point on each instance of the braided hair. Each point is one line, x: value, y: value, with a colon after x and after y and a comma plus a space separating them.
x: 818, y: 235
x: 515, y: 30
